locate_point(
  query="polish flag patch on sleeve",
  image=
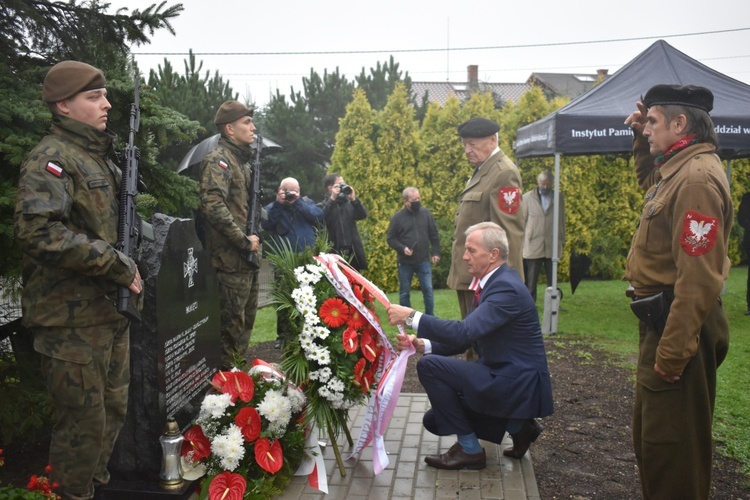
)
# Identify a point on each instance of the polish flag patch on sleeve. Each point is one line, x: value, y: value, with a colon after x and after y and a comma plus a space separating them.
x: 509, y: 199
x: 699, y: 233
x: 223, y: 164
x: 54, y: 169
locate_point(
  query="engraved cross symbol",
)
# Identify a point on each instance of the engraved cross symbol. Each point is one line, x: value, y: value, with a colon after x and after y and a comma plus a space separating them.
x: 190, y: 267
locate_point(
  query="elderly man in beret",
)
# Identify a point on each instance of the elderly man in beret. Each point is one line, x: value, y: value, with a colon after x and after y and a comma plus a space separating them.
x: 677, y: 266
x: 66, y: 225
x: 225, y: 187
x: 493, y: 194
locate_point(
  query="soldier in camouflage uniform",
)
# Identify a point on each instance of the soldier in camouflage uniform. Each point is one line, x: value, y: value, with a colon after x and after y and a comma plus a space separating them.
x: 66, y: 225
x: 226, y: 184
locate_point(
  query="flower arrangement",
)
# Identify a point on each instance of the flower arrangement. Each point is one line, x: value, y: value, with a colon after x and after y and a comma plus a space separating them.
x: 248, y: 438
x: 334, y: 352
x: 38, y: 487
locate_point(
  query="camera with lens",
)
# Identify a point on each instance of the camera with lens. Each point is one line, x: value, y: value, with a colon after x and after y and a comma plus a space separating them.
x: 289, y: 195
x: 344, y: 190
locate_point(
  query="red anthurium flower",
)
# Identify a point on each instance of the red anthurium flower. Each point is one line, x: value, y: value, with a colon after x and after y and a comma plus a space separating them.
x: 358, y: 292
x: 350, y: 339
x: 334, y: 312
x: 356, y: 320
x: 197, y: 442
x: 369, y: 346
x: 221, y: 379
x: 227, y: 486
x: 368, y: 379
x: 269, y: 455
x: 248, y: 420
x: 359, y: 371
x: 240, y: 386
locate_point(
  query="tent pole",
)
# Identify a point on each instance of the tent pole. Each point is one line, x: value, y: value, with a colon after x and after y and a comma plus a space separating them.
x: 551, y: 297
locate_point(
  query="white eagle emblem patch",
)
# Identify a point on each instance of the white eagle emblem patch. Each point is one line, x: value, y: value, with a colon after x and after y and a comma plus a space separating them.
x: 698, y: 233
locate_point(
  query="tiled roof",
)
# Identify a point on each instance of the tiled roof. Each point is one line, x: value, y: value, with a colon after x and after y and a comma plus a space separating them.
x: 439, y: 92
x: 565, y: 84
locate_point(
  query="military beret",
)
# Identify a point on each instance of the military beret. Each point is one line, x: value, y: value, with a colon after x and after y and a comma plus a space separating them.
x: 681, y: 95
x: 67, y: 78
x: 478, y: 127
x: 231, y: 111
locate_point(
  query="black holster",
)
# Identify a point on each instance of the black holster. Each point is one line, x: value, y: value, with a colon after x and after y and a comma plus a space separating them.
x: 653, y: 310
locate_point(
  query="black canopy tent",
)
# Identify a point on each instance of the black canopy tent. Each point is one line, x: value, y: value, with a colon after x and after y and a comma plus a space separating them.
x: 593, y: 122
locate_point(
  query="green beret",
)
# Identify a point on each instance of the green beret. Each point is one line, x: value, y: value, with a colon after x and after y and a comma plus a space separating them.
x: 231, y: 111
x: 478, y: 127
x: 66, y: 79
x: 681, y: 95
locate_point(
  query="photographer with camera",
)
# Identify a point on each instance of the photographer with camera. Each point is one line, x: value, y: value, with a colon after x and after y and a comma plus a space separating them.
x: 293, y: 218
x: 342, y: 209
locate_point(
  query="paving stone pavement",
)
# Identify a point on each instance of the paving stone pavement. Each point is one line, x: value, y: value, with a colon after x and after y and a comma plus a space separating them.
x: 407, y: 476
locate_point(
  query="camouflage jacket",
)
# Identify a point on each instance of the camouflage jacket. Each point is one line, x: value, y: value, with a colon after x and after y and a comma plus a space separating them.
x: 66, y: 225
x: 226, y: 184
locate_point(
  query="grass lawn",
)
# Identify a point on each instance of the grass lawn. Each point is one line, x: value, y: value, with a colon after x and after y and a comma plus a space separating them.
x: 598, y: 314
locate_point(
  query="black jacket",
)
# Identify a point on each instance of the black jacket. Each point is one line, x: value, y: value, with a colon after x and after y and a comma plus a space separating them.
x: 340, y: 217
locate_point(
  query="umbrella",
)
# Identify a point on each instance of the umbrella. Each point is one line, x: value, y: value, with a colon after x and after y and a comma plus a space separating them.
x: 579, y: 267
x: 192, y: 160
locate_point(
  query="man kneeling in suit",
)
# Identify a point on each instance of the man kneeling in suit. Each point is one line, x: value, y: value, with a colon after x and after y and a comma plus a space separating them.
x: 508, y: 386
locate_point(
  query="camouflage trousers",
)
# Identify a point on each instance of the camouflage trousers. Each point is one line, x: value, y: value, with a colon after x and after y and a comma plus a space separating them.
x: 87, y: 371
x: 238, y: 300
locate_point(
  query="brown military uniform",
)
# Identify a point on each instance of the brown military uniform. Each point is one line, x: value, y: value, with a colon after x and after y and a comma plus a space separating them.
x: 66, y: 225
x: 226, y: 184
x: 680, y: 246
x: 492, y: 195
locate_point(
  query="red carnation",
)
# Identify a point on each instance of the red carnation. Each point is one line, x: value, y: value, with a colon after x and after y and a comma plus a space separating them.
x: 334, y: 312
x: 227, y: 486
x: 269, y: 455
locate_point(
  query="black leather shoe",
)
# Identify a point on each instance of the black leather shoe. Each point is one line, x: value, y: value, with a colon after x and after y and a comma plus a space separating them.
x: 521, y: 441
x: 747, y: 313
x: 277, y: 344
x: 457, y: 458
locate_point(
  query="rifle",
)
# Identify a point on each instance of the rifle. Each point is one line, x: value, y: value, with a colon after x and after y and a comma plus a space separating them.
x: 131, y: 229
x: 253, y: 219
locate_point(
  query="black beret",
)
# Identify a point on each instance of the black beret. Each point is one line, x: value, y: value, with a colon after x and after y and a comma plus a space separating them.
x: 67, y: 78
x: 681, y: 95
x: 478, y: 127
x: 231, y: 111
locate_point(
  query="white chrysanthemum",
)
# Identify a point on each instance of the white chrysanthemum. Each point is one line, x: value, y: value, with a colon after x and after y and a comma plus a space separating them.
x: 336, y: 385
x: 296, y: 399
x: 321, y: 332
x: 323, y: 356
x: 325, y: 374
x: 214, y: 406
x: 229, y: 447
x: 276, y: 408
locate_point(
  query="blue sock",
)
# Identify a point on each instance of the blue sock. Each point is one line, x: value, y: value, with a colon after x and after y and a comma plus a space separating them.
x: 470, y: 443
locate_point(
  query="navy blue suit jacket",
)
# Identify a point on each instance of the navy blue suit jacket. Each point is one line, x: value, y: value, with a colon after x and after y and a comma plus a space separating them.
x: 504, y: 330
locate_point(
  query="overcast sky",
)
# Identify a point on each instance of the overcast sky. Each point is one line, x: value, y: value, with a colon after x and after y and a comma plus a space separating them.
x: 436, y: 40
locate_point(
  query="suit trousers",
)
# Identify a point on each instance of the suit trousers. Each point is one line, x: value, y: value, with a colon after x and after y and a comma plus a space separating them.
x: 532, y: 269
x: 443, y: 378
x: 672, y: 422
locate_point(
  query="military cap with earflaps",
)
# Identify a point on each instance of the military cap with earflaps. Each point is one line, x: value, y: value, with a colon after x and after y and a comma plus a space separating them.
x: 478, y: 127
x: 231, y: 111
x: 681, y: 95
x: 67, y: 78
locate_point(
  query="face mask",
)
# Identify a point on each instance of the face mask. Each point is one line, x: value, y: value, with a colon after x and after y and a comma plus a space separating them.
x: 545, y: 192
x: 415, y: 206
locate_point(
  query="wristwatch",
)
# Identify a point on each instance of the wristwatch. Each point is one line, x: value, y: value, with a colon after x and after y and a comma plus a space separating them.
x: 410, y: 319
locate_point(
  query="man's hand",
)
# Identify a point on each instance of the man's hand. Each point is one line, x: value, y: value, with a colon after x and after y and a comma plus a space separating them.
x: 397, y: 314
x: 435, y: 259
x: 404, y: 341
x: 637, y: 119
x: 408, y: 251
x: 137, y: 285
x: 254, y: 242
x: 664, y: 375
